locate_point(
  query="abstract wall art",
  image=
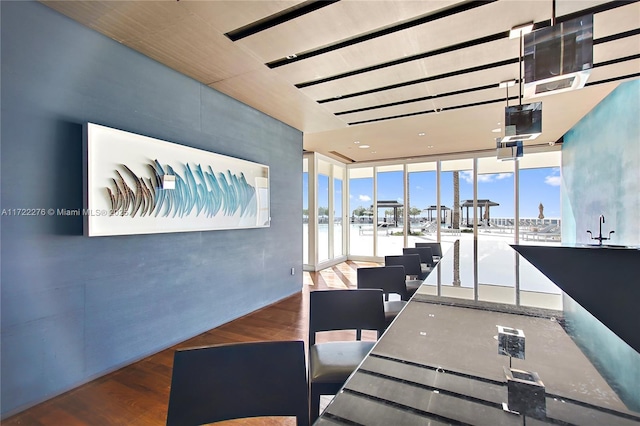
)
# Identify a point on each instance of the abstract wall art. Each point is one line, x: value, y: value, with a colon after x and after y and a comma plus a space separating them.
x: 135, y: 184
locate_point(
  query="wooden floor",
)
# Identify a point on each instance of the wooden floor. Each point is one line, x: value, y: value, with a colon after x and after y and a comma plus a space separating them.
x: 138, y: 394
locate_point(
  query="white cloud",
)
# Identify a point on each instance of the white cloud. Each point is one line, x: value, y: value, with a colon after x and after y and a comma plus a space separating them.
x: 467, y: 176
x: 552, y: 180
x: 364, y: 198
x: 485, y: 178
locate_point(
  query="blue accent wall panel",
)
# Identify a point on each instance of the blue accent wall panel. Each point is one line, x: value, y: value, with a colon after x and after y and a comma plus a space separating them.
x: 601, y: 169
x: 72, y: 307
x: 601, y: 176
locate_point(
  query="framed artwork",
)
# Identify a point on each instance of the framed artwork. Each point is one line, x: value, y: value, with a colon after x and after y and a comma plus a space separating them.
x: 135, y: 184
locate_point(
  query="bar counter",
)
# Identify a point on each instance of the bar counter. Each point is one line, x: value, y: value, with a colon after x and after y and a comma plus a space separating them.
x: 439, y: 362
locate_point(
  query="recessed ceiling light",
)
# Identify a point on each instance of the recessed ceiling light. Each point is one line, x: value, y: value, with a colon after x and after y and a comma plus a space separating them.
x: 364, y: 146
x: 497, y: 130
x: 374, y: 152
x: 520, y: 29
x: 429, y: 146
x: 356, y: 142
x: 421, y: 134
x: 292, y: 56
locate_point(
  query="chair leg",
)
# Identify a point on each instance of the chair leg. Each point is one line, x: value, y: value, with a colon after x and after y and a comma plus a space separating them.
x: 314, y: 404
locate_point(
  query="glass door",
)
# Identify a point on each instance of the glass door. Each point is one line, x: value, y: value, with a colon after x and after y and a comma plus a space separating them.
x: 362, y: 226
x: 390, y: 210
x: 323, y: 214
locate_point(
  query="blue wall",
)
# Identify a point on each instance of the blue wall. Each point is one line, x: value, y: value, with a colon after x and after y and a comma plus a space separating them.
x: 601, y: 175
x: 601, y: 170
x: 74, y: 308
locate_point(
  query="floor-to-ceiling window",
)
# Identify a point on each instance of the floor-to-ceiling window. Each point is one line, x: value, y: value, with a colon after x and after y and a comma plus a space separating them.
x: 539, y: 198
x: 323, y: 211
x: 539, y: 224
x: 361, y: 213
x: 456, y: 194
x: 384, y: 207
x: 390, y: 210
x: 305, y: 211
x: 338, y: 211
x: 495, y: 213
x: 424, y: 219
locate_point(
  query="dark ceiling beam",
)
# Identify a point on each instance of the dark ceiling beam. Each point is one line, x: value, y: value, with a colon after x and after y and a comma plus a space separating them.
x: 491, y: 101
x: 278, y: 18
x: 470, y: 43
x: 423, y: 80
x: 379, y: 33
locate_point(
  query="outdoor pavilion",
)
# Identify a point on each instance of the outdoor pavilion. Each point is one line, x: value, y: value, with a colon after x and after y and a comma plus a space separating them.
x: 482, y: 204
x: 390, y: 203
x: 443, y: 212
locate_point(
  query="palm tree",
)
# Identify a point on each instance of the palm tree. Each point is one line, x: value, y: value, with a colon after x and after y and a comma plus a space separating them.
x: 414, y: 211
x: 456, y: 264
x: 455, y: 218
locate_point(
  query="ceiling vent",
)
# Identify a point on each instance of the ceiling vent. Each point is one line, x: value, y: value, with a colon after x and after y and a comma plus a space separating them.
x: 558, y: 58
x: 522, y: 122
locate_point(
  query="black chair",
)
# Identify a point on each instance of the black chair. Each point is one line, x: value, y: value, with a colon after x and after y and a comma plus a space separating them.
x: 426, y: 256
x: 391, y: 280
x: 412, y: 269
x: 331, y: 363
x: 436, y: 249
x: 222, y: 382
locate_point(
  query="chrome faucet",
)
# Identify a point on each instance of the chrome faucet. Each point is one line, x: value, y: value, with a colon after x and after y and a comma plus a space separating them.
x: 600, y: 238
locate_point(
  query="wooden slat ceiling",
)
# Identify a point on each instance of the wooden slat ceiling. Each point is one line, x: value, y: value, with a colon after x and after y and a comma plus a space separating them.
x: 379, y: 72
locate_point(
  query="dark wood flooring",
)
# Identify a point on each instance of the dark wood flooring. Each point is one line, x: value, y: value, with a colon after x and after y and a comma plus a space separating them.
x: 138, y: 394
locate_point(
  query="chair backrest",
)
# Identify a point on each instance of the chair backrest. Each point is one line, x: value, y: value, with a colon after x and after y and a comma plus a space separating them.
x: 436, y: 248
x: 391, y: 279
x: 411, y: 263
x: 425, y: 253
x: 361, y: 309
x: 240, y: 380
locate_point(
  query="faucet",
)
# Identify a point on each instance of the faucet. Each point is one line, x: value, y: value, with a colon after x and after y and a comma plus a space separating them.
x: 600, y: 238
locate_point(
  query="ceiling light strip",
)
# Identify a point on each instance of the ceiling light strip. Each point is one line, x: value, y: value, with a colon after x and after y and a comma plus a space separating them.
x: 278, y: 18
x: 423, y: 98
x: 597, y: 9
x: 381, y: 33
x: 618, y: 36
x: 616, y: 61
x: 424, y: 55
x: 592, y: 83
x: 431, y: 111
x: 613, y: 79
x: 424, y: 80
x: 481, y: 67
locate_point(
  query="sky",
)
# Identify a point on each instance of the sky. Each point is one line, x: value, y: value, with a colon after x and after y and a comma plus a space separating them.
x: 536, y: 186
